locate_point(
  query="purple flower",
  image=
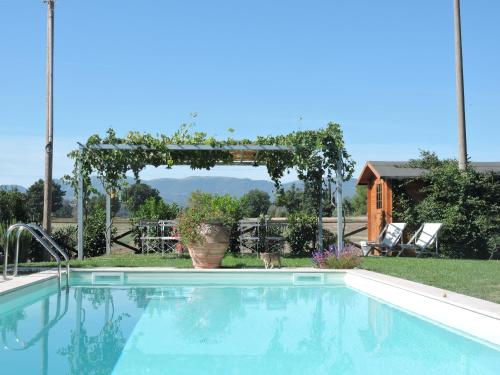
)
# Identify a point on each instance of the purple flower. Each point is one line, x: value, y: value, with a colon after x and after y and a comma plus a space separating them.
x: 347, y: 257
x: 319, y: 257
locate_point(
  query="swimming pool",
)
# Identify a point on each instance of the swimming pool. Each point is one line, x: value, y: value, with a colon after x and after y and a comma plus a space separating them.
x: 208, y: 323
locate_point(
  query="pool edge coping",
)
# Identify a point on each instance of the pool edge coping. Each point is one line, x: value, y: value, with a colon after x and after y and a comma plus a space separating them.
x: 473, y: 304
x: 479, y: 319
x: 19, y: 282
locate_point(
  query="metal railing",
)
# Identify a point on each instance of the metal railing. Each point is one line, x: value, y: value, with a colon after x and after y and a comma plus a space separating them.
x: 44, y: 239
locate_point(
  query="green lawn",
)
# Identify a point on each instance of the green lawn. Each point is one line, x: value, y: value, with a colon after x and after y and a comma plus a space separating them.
x: 474, y: 278
x: 169, y: 260
x: 477, y: 278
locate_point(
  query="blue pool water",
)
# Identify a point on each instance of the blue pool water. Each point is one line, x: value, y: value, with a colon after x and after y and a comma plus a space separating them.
x: 190, y: 328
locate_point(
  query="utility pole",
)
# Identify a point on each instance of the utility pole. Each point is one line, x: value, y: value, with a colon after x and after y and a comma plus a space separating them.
x: 49, y: 139
x: 462, y: 136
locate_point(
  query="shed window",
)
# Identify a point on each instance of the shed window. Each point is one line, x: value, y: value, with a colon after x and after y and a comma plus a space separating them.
x: 379, y: 196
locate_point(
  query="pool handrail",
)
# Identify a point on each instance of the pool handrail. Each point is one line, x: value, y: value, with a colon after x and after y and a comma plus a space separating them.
x: 44, y: 239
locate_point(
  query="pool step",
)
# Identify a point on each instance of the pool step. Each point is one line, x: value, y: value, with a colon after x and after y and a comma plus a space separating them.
x: 108, y: 278
x: 308, y: 279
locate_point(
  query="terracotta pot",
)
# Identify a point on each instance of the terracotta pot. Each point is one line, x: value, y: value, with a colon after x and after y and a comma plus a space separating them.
x: 209, y: 254
x: 179, y: 248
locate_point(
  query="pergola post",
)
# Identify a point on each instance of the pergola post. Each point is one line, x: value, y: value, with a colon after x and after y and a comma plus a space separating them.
x: 320, y: 218
x: 108, y: 223
x: 79, y: 209
x: 340, y: 213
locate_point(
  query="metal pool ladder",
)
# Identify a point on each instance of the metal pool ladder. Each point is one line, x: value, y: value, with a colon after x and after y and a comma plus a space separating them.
x: 44, y: 239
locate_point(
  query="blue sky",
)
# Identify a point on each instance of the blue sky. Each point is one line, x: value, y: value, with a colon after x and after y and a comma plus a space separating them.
x: 383, y: 69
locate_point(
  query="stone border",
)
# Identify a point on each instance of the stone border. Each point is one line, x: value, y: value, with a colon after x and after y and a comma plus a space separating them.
x: 19, y: 282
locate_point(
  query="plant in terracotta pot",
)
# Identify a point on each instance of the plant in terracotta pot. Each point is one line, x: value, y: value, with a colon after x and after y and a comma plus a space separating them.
x: 205, y: 227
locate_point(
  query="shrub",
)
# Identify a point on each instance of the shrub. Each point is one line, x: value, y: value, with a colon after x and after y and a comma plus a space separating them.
x: 301, y: 233
x: 94, y: 235
x: 66, y: 237
x: 347, y: 258
x: 157, y: 209
x: 466, y: 202
x: 205, y: 208
x: 24, y: 243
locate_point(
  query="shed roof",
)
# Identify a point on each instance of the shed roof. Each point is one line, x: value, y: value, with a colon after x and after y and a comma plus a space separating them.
x: 486, y: 166
x: 398, y: 170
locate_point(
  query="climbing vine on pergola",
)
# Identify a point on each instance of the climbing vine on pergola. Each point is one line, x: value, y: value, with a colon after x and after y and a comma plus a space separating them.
x: 316, y: 156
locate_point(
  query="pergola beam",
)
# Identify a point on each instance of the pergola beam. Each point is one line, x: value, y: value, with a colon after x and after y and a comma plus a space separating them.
x: 178, y: 147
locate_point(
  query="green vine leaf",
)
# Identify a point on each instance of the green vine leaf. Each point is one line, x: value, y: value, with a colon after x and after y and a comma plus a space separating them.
x: 315, y: 156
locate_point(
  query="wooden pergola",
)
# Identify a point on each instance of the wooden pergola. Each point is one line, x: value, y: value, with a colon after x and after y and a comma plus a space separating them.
x: 244, y: 154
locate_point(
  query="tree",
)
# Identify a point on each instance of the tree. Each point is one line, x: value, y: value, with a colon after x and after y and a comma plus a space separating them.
x: 277, y: 211
x: 99, y: 201
x: 358, y: 202
x: 255, y: 203
x: 65, y: 211
x: 296, y: 200
x: 12, y: 206
x: 34, y: 197
x: 137, y: 194
x: 292, y: 199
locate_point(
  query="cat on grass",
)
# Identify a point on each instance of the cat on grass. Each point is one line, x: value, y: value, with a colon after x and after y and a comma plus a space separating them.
x: 270, y: 260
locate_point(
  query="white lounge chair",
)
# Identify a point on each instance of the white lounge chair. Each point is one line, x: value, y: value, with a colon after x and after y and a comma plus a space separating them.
x: 388, y: 238
x: 423, y: 239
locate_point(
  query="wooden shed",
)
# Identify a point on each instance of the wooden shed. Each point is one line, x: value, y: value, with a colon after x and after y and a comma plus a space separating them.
x: 381, y: 177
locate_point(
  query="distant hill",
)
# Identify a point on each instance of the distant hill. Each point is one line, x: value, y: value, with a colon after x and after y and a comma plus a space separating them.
x: 179, y: 189
x: 13, y: 187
